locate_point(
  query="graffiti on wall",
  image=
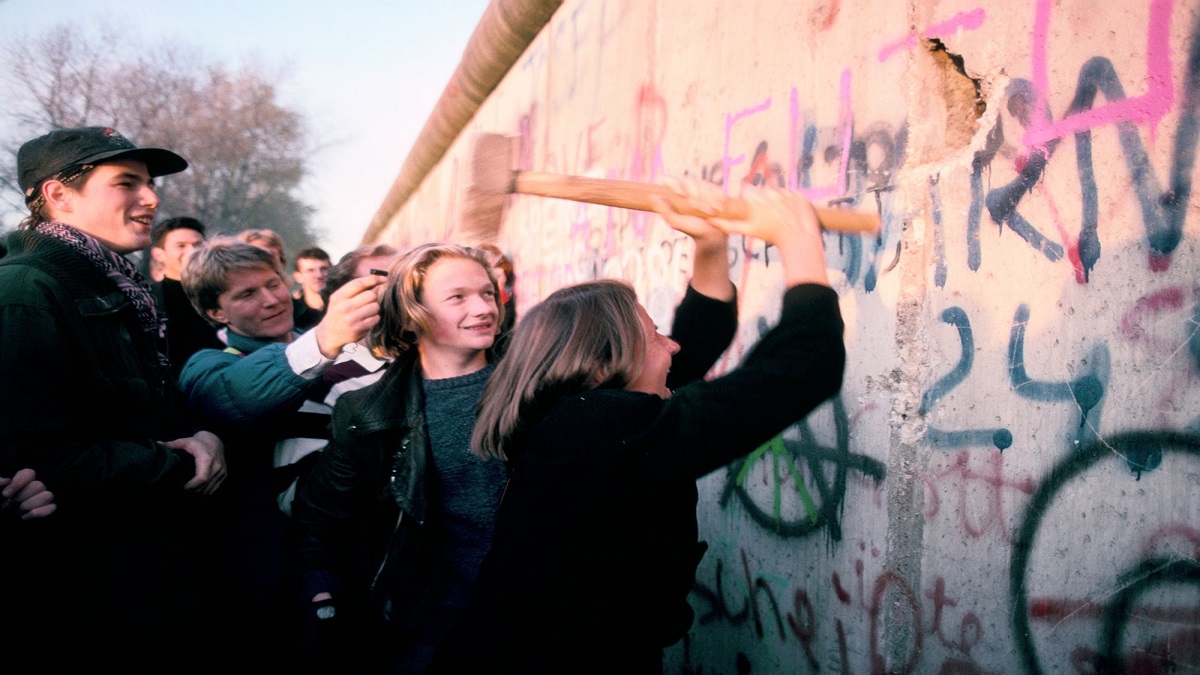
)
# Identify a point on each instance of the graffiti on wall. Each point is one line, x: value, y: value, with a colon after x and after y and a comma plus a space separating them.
x: 1144, y: 624
x: 1062, y: 181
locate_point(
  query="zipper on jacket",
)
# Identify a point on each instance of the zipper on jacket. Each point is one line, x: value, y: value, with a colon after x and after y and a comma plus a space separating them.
x: 388, y: 553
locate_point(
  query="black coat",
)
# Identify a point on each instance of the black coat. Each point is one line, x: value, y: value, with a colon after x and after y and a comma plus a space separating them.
x: 187, y: 331
x: 362, y: 510
x: 84, y: 395
x: 84, y: 400
x: 596, y: 544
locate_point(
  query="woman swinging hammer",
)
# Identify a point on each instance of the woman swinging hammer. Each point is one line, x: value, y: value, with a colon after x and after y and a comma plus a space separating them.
x: 606, y: 425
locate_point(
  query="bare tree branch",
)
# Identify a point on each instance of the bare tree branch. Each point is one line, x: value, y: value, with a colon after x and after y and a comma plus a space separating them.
x: 247, y: 153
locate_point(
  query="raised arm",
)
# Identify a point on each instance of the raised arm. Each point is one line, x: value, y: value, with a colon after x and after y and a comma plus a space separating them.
x: 792, y: 369
x: 227, y: 388
x: 710, y: 265
x: 224, y: 388
x: 706, y: 319
x: 787, y: 221
x: 353, y: 310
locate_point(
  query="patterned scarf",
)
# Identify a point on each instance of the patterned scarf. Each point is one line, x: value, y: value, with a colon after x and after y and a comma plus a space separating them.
x: 124, y: 275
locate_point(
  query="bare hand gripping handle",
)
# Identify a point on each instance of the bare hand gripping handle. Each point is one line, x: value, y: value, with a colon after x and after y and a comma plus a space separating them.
x: 631, y: 195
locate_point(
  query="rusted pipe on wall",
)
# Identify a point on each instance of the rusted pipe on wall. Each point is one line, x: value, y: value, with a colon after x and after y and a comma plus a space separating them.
x: 505, y: 30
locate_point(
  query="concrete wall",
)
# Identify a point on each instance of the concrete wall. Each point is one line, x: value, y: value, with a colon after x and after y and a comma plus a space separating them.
x: 1008, y: 481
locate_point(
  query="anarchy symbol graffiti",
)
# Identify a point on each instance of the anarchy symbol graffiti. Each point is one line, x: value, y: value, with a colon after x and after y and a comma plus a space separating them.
x: 828, y: 468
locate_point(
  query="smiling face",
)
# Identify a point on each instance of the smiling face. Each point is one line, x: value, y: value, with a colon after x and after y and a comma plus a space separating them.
x: 177, y: 245
x: 461, y: 301
x: 652, y: 379
x: 256, y: 304
x: 116, y: 205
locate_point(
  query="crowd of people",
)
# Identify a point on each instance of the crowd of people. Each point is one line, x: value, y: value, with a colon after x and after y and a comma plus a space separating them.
x: 380, y: 471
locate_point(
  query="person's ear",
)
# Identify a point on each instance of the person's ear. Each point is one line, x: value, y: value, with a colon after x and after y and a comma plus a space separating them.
x: 158, y: 254
x: 296, y: 276
x: 217, y: 315
x: 58, y: 196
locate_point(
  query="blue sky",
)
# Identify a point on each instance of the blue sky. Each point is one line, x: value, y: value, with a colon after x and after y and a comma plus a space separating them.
x: 366, y: 73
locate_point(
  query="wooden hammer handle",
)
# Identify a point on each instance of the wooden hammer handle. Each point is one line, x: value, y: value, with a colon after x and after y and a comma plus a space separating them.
x: 630, y: 195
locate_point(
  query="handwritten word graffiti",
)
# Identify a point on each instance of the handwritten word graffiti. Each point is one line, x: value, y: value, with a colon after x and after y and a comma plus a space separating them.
x: 761, y: 605
x: 989, y: 485
x: 1002, y: 201
x: 858, y: 166
x: 1163, y: 211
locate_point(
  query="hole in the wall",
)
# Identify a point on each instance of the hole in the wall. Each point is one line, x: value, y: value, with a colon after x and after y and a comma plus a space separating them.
x: 956, y: 60
x: 962, y: 93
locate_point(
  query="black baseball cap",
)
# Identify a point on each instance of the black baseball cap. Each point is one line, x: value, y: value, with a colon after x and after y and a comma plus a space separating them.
x: 46, y: 156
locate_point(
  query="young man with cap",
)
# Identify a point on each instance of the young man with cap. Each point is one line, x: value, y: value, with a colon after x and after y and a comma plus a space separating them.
x: 84, y: 367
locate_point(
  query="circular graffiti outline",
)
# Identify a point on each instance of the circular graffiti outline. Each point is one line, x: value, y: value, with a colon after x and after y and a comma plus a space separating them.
x: 1075, y: 464
x: 1143, y: 578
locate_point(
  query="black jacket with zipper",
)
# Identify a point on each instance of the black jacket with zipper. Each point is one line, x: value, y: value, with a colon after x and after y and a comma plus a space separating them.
x: 363, y: 510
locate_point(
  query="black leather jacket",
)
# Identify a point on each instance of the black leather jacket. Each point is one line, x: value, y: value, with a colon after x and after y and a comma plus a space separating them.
x: 363, y: 508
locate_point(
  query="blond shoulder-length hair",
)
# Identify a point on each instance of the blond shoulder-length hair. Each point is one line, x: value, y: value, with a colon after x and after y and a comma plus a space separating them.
x: 582, y: 337
x: 402, y: 317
